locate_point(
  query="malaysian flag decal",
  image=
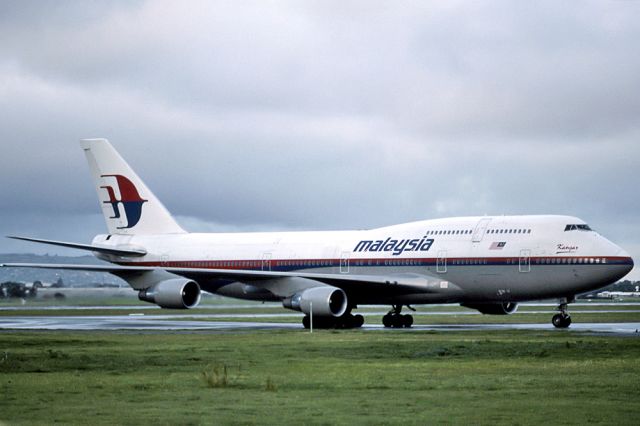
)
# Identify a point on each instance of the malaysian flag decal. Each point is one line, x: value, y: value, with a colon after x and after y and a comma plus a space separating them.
x: 498, y: 245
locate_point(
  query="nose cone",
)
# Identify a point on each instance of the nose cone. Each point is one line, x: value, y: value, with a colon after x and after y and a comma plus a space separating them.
x: 625, y: 261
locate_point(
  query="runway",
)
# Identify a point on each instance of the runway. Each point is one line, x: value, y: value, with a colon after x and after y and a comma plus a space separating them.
x: 181, y: 323
x: 256, y: 317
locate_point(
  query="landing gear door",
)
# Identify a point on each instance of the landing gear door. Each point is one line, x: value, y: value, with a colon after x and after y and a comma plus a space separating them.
x: 481, y: 228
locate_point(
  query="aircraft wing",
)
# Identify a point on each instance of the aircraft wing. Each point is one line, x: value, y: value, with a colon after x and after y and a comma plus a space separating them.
x: 406, y: 281
x: 117, y: 251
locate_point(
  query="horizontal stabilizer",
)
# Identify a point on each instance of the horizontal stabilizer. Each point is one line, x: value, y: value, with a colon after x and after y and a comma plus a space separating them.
x: 96, y: 249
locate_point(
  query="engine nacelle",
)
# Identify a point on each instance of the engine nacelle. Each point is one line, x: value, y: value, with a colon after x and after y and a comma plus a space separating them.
x: 177, y: 293
x: 505, y: 308
x: 325, y: 301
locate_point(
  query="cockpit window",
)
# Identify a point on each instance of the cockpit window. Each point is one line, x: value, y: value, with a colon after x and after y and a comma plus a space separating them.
x: 577, y: 227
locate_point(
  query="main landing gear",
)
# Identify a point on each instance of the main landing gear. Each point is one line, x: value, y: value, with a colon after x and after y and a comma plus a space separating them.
x: 395, y: 319
x: 562, y: 319
x: 345, y: 321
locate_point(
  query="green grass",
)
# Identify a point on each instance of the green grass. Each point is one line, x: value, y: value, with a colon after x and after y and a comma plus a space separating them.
x: 328, y: 377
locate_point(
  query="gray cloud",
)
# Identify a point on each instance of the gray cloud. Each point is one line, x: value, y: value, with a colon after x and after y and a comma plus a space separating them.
x: 288, y: 115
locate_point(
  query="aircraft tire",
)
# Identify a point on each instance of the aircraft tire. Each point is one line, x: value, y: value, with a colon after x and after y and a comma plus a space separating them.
x: 349, y: 321
x: 561, y: 321
x: 386, y: 321
x: 328, y: 322
x: 397, y: 320
x: 358, y: 321
x: 344, y: 322
x: 407, y: 321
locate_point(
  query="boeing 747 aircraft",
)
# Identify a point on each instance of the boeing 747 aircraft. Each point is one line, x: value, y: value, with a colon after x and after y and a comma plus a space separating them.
x: 488, y: 263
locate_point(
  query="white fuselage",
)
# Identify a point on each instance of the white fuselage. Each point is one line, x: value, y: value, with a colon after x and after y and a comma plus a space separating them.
x: 500, y: 258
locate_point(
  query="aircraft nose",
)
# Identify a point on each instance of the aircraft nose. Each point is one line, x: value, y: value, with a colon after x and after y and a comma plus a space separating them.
x: 626, y: 259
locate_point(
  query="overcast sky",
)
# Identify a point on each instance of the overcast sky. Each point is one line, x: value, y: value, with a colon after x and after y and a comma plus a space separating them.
x: 266, y: 115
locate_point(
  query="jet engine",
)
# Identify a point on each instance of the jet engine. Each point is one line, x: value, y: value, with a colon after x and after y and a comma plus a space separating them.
x: 325, y: 301
x: 177, y: 293
x: 504, y: 308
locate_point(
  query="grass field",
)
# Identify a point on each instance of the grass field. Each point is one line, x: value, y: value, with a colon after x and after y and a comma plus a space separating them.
x: 328, y: 377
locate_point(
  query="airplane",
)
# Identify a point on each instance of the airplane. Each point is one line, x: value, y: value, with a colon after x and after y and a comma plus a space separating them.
x: 487, y: 263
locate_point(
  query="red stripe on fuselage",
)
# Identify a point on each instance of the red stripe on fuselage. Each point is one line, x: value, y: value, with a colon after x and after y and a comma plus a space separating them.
x: 371, y: 262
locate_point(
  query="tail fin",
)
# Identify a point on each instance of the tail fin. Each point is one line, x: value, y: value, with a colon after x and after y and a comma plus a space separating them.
x: 129, y: 207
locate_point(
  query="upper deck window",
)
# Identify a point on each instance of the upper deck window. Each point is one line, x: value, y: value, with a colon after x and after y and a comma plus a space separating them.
x: 577, y: 227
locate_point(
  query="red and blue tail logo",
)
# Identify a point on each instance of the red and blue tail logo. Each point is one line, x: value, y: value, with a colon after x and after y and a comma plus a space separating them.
x: 129, y: 198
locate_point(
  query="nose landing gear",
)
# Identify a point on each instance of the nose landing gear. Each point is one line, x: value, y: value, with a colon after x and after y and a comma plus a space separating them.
x: 562, y: 319
x: 394, y: 319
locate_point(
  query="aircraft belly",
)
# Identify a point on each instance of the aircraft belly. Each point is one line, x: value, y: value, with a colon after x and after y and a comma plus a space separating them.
x: 244, y: 291
x: 542, y: 281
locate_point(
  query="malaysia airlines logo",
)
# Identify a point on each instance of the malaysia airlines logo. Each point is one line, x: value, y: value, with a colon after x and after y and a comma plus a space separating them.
x: 129, y: 198
x: 397, y: 247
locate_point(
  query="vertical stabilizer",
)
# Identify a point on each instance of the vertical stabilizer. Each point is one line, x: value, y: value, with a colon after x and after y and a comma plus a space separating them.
x: 129, y: 207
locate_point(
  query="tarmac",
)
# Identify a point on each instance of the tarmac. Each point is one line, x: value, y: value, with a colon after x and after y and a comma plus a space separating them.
x: 207, y: 322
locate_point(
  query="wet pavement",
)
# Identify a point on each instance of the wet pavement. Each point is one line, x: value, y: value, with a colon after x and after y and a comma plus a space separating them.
x: 207, y: 322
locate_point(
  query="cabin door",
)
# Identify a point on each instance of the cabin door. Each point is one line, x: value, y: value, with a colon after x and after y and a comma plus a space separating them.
x: 525, y: 261
x: 344, y: 262
x: 441, y: 265
x: 266, y: 261
x: 481, y: 227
